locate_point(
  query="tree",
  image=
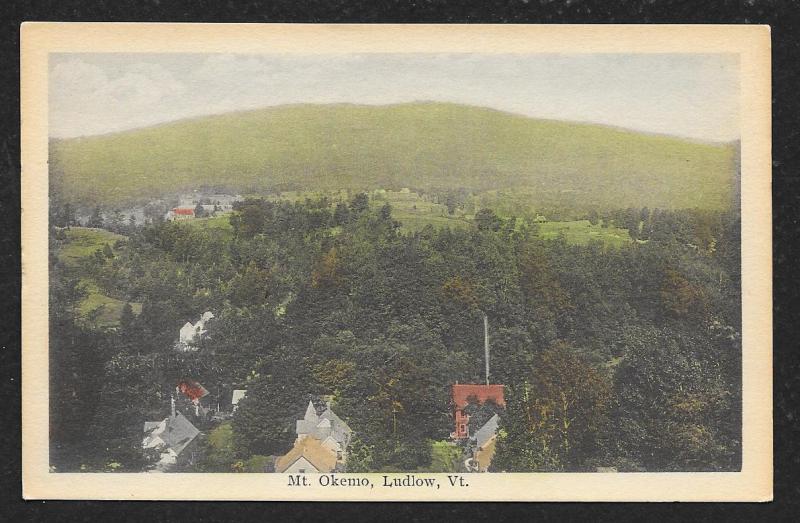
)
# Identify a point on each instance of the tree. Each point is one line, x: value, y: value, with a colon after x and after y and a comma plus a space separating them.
x: 674, y: 397
x: 76, y: 369
x: 126, y: 318
x: 342, y: 214
x: 327, y: 272
x: 264, y: 422
x: 199, y: 211
x: 250, y: 218
x: 96, y: 219
x: 487, y: 220
x: 359, y: 204
x: 553, y: 421
x: 680, y: 297
x: 359, y: 456
x: 130, y: 395
x: 250, y: 288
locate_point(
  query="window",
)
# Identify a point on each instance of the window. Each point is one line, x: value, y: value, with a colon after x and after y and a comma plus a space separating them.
x: 302, y: 471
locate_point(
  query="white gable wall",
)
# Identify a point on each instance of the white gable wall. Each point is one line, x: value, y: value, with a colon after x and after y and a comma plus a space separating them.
x: 301, y: 465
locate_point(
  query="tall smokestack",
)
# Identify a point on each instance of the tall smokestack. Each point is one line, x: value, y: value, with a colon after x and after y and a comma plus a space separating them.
x: 172, y: 404
x: 486, y: 343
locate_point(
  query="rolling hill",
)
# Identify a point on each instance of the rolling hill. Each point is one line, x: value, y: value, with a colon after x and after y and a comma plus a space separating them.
x: 419, y: 145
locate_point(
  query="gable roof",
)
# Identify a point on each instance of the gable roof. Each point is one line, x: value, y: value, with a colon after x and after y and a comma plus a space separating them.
x: 323, y: 425
x: 485, y: 433
x: 335, y: 420
x: 192, y: 389
x: 311, y: 413
x: 174, y: 433
x: 313, y: 451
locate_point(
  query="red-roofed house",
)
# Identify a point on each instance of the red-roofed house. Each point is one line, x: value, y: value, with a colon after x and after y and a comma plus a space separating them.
x: 181, y: 213
x: 480, y: 393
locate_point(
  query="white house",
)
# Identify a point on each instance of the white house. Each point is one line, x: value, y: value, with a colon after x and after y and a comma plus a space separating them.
x: 237, y: 396
x: 328, y: 428
x: 191, y: 333
x: 321, y: 444
x: 170, y: 438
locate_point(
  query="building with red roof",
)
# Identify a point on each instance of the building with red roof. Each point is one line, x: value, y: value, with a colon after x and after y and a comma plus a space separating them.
x: 180, y: 213
x: 463, y: 394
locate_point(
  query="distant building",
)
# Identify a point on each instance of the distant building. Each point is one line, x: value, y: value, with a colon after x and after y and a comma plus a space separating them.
x: 191, y: 333
x: 236, y: 397
x: 461, y: 396
x: 180, y: 213
x: 172, y: 439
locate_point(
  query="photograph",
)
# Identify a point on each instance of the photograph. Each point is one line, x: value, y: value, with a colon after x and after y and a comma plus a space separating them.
x: 375, y: 270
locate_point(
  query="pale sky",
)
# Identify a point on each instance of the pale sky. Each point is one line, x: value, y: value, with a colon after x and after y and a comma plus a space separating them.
x: 694, y: 96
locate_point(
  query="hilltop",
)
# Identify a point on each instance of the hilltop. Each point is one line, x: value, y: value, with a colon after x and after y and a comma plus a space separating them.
x: 420, y: 145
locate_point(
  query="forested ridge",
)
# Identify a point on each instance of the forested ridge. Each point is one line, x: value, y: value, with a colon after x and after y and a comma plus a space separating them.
x: 622, y: 356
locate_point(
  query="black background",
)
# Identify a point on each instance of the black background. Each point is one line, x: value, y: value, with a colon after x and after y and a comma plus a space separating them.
x: 782, y: 16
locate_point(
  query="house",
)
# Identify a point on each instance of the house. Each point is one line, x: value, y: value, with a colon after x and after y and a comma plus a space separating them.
x: 308, y: 455
x: 321, y: 444
x: 190, y: 393
x: 180, y: 214
x: 327, y: 427
x: 236, y: 397
x: 191, y: 333
x: 172, y: 440
x: 484, y: 441
x: 463, y: 394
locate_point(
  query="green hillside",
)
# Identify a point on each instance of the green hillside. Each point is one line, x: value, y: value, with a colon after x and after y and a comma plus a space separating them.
x: 419, y: 145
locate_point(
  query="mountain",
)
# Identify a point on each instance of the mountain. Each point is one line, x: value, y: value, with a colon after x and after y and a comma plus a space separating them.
x: 418, y: 145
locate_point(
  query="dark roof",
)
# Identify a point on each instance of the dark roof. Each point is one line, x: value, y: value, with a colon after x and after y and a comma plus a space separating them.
x: 486, y: 432
x: 177, y: 434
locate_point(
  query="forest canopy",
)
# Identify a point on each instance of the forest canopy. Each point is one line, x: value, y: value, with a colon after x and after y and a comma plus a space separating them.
x: 624, y: 356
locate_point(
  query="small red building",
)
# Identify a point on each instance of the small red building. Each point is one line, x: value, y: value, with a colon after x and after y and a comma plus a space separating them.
x: 180, y: 213
x: 481, y: 393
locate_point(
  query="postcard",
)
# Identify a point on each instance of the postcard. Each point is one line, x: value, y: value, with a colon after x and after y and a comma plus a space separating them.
x: 396, y: 262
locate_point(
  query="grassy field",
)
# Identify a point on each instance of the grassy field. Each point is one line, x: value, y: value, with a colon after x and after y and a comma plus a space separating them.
x: 582, y: 232
x: 414, y: 212
x: 81, y: 242
x: 220, y: 221
x: 109, y: 309
x: 418, y: 145
x: 445, y: 457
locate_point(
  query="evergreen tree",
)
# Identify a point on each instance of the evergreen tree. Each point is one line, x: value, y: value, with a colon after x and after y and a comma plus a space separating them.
x: 96, y: 219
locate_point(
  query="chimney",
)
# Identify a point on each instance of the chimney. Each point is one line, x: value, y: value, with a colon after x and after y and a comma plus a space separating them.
x: 172, y: 404
x: 486, y: 343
